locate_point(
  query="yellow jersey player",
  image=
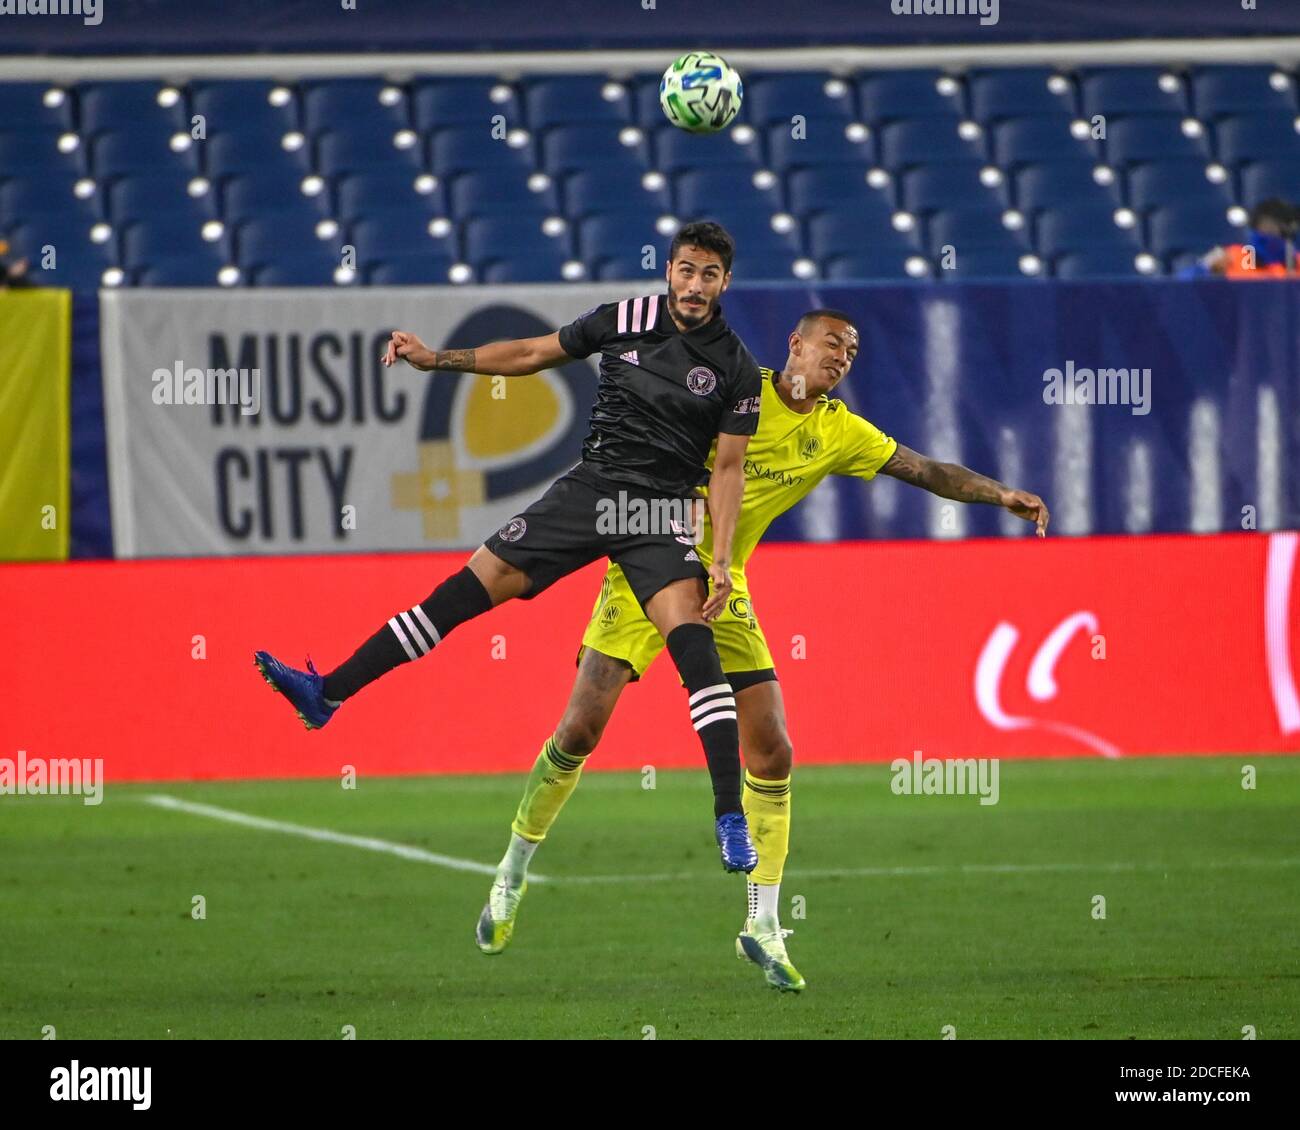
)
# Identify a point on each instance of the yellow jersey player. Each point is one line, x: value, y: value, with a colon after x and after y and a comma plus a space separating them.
x: 803, y: 436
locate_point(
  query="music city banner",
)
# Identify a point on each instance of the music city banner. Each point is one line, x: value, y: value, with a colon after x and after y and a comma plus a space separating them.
x: 264, y: 422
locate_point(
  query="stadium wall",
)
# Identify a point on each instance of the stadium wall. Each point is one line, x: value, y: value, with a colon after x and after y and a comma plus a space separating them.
x: 1096, y: 647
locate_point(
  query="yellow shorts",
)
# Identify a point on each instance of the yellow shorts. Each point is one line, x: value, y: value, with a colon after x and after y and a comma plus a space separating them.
x: 619, y: 628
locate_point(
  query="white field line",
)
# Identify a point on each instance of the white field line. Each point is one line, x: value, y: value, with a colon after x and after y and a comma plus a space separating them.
x: 419, y: 855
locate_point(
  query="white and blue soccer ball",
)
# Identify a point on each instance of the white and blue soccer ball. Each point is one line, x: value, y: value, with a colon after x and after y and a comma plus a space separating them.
x: 701, y: 92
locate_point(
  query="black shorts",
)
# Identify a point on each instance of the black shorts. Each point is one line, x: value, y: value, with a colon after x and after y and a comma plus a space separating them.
x: 580, y: 520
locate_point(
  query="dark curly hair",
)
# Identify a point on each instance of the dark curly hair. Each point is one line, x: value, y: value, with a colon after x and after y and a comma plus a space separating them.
x: 708, y: 235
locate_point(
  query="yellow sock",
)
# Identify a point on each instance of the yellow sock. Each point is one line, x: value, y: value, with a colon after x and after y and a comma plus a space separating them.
x: 555, y: 775
x: 767, y: 808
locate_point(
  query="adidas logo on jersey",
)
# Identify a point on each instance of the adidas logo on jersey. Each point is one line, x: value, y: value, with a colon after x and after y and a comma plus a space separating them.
x: 692, y: 556
x: 630, y: 357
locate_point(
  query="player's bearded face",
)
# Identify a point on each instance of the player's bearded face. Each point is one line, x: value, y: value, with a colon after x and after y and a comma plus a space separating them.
x: 694, y: 285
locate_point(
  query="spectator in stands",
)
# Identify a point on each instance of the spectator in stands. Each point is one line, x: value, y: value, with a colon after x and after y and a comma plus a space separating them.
x: 12, y: 274
x: 1263, y: 255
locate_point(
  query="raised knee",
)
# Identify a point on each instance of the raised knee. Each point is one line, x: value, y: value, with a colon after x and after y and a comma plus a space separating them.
x: 577, y: 736
x: 774, y: 761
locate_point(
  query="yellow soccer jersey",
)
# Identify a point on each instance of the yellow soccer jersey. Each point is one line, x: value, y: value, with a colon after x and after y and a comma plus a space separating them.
x: 789, y: 455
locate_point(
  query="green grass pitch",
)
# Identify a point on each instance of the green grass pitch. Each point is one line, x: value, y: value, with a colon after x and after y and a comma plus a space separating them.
x: 918, y: 912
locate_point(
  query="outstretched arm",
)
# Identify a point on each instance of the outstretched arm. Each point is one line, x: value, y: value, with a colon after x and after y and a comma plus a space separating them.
x: 961, y: 484
x: 501, y: 358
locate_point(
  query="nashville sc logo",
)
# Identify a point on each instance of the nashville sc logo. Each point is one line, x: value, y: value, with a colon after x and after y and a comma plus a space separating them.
x: 483, y: 439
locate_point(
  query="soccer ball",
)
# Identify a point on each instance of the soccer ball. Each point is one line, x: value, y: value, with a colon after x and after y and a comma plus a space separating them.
x: 701, y: 92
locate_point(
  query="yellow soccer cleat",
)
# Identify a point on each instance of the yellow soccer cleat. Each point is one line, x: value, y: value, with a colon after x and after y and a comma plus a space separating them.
x: 766, y: 949
x: 497, y: 922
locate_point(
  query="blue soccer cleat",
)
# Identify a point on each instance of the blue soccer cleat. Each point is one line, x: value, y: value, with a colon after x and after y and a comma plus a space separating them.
x: 304, y: 689
x: 738, y: 852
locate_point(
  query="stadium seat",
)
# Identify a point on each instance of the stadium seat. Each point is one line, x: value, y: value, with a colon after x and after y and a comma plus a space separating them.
x: 888, y: 262
x: 27, y: 196
x: 985, y: 263
x: 161, y: 194
x: 1220, y: 90
x: 38, y: 154
x: 1155, y: 138
x: 1081, y: 228
x: 1020, y: 91
x: 822, y: 141
x: 575, y: 100
x: 627, y: 267
x: 613, y: 186
x: 1027, y: 141
x: 135, y: 106
x: 275, y: 236
x: 302, y: 268
x: 256, y: 150
x: 676, y: 150
x: 130, y: 151
x: 442, y: 103
x: 569, y: 148
x: 390, y: 189
x: 1257, y: 137
x: 927, y: 187
x: 467, y: 149
x: 751, y: 228
x: 840, y: 186
x: 1191, y: 227
x: 510, y: 190
x: 35, y: 107
x: 1096, y: 262
x: 236, y: 104
x: 1169, y: 182
x: 182, y: 270
x: 770, y: 265
x: 921, y: 142
x: 775, y: 97
x: 703, y: 189
x: 168, y: 237
x: 250, y: 194
x: 1064, y: 183
x: 398, y: 234
x: 1113, y: 91
x: 974, y: 228
x: 517, y: 237
x: 339, y: 152
x: 544, y: 265
x: 411, y: 270
x: 355, y: 105
x: 842, y: 233
x: 1265, y: 179
x: 623, y: 235
x: 888, y: 95
x: 80, y: 261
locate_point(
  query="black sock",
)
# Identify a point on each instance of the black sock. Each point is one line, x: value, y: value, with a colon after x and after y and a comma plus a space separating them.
x: 409, y: 635
x: 713, y: 710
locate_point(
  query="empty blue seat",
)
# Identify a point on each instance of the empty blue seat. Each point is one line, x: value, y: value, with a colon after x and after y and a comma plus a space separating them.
x: 32, y: 107
x: 840, y: 186
x: 303, y: 268
x: 612, y: 186
x: 1019, y: 91
x: 751, y: 228
x: 675, y: 149
x: 441, y: 103
x: 1026, y: 141
x: 622, y: 233
x: 411, y: 270
x: 473, y: 148
x: 159, y: 194
x: 889, y: 262
x: 1219, y: 90
x: 78, y: 268
x: 276, y: 235
x: 79, y: 260
x: 822, y: 141
x: 395, y: 234
x: 646, y: 110
x: 26, y: 196
x: 918, y: 142
x: 1096, y: 262
x: 510, y: 190
x: 779, y: 97
x: 1191, y: 227
x: 541, y: 265
x: 772, y: 264
x: 575, y: 99
x: 1264, y: 179
x: 1082, y: 228
x: 701, y: 190
x: 928, y: 187
x: 567, y: 148
x: 1170, y: 182
x: 246, y: 104
x: 1063, y: 183
x: 355, y: 105
x: 258, y: 149
x: 390, y: 189
x: 1131, y: 90
x: 130, y: 105
x: 969, y: 228
x: 250, y: 194
x: 127, y: 152
x: 628, y: 266
x: 841, y: 233
x: 1257, y: 137
x: 168, y: 237
x: 887, y: 95
x: 339, y: 152
x: 982, y: 263
x: 182, y: 270
x: 507, y: 237
x: 1160, y: 137
x: 38, y: 154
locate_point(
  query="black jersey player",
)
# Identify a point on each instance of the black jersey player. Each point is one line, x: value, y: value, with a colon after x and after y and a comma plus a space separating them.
x: 674, y: 378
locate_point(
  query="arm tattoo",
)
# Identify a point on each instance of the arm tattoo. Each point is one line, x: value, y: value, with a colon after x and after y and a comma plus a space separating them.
x: 948, y: 480
x: 458, y: 360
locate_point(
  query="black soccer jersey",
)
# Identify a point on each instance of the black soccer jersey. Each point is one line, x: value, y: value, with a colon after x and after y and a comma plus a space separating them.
x: 663, y: 395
